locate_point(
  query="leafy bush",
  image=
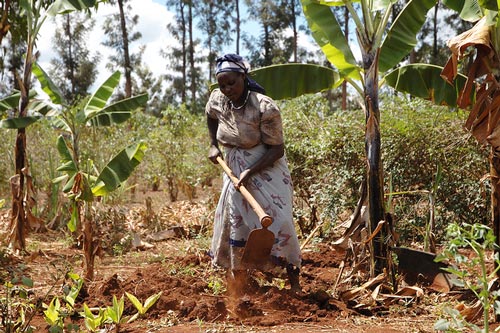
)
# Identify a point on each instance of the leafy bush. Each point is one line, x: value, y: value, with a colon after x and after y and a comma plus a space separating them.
x: 325, y: 151
x: 327, y: 161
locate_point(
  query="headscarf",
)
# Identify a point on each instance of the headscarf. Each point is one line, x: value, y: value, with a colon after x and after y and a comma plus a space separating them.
x: 235, y: 63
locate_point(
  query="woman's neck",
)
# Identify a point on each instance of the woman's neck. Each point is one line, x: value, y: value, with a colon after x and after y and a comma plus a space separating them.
x: 242, y: 101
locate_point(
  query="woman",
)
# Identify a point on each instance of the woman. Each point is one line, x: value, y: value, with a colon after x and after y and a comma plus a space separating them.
x: 246, y: 130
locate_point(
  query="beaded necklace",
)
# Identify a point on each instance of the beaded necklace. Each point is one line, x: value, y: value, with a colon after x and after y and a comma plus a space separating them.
x: 242, y: 105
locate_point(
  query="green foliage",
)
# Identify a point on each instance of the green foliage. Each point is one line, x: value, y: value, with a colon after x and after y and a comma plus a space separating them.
x: 216, y: 285
x: 471, y: 271
x: 419, y: 139
x: 56, y: 311
x: 93, y: 322
x: 115, y: 312
x: 142, y: 308
x: 15, y: 304
x: 177, y: 158
x: 326, y: 157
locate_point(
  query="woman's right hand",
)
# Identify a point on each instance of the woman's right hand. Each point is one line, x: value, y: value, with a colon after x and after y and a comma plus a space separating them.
x: 213, y: 153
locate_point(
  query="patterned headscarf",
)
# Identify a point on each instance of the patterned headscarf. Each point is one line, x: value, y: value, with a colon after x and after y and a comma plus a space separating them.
x: 235, y: 63
x: 232, y: 63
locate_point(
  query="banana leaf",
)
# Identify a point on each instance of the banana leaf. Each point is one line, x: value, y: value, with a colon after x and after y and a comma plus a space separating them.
x: 425, y: 81
x: 292, y: 80
x: 118, y: 112
x: 48, y: 86
x: 119, y: 169
x: 469, y: 10
x: 328, y: 34
x: 101, y: 96
x: 402, y: 35
x: 17, y: 123
x: 67, y: 6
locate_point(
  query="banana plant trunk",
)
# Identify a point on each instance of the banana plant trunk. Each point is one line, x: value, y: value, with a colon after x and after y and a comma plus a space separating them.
x: 89, y: 244
x: 375, y: 183
x: 19, y: 223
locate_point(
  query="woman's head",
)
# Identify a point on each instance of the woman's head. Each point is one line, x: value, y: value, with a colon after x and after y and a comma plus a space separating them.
x: 232, y: 76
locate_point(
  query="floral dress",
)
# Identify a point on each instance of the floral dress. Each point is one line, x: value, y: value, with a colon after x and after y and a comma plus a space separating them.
x: 271, y: 187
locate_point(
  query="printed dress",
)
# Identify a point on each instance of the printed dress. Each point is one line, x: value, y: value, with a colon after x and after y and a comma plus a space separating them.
x: 271, y: 187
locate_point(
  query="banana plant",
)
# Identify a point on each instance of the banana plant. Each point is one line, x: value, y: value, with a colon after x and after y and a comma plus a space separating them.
x: 36, y: 13
x: 382, y: 48
x: 82, y: 184
x: 480, y: 93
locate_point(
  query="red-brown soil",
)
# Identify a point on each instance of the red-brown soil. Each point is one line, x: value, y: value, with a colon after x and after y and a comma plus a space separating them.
x: 195, y: 297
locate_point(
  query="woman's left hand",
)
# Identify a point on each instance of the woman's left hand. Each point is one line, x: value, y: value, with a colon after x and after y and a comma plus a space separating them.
x: 244, y: 176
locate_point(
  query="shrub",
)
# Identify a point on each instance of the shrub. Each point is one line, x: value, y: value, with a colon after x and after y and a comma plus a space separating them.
x: 327, y: 161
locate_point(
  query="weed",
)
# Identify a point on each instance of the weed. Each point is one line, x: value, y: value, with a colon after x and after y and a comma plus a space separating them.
x: 480, y: 239
x: 216, y: 285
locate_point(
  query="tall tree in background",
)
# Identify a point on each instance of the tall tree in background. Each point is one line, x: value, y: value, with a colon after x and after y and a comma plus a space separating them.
x: 119, y: 39
x: 214, y: 18
x: 237, y: 24
x: 14, y: 45
x: 183, y: 58
x: 177, y: 55
x: 74, y: 70
x: 291, y: 11
x: 273, y: 46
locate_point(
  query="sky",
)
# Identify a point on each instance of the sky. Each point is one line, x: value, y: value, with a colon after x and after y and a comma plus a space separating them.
x: 153, y: 20
x: 152, y: 24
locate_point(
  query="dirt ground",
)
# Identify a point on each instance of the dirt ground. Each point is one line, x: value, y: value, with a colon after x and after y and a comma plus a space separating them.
x: 195, y: 297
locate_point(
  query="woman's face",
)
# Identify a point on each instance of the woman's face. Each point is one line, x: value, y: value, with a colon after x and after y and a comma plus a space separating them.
x: 232, y: 84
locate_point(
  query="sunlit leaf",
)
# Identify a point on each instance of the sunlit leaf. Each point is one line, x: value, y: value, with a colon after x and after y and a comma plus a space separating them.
x: 101, y: 96
x: 68, y: 163
x: 48, y: 86
x: 67, y: 6
x: 402, y: 35
x: 469, y: 10
x: 18, y: 122
x: 293, y: 80
x: 137, y: 304
x: 10, y: 102
x: 119, y: 169
x: 329, y: 36
x: 118, y: 112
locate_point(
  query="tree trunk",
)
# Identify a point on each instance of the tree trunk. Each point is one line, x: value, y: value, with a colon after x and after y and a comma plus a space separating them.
x: 4, y: 23
x: 18, y: 224
x: 295, y: 32
x: 435, y: 38
x: 238, y: 24
x: 71, y: 62
x: 184, y: 53
x: 191, y: 57
x: 375, y: 183
x: 127, y: 66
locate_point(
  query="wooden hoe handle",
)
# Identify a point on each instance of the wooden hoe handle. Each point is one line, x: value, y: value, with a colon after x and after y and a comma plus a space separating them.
x: 264, y: 218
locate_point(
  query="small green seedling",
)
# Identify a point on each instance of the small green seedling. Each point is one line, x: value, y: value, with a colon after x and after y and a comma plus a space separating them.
x: 142, y: 309
x: 52, y: 315
x: 114, y: 313
x: 93, y: 322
